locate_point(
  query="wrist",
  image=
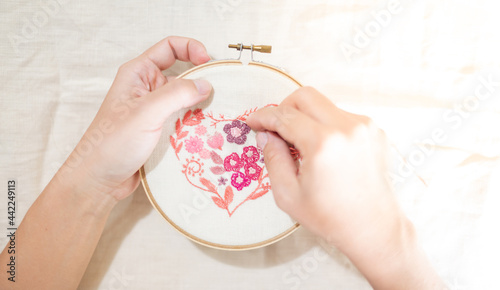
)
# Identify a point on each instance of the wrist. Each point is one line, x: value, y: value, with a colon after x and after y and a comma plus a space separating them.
x: 393, y: 259
x: 79, y: 186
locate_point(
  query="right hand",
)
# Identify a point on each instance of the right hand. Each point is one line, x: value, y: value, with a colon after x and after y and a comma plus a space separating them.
x: 340, y: 191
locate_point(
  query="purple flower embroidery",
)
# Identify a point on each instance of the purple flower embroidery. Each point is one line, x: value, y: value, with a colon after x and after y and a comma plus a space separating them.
x: 252, y: 170
x: 236, y: 132
x: 233, y: 162
x: 250, y: 154
x: 222, y: 181
x: 240, y: 180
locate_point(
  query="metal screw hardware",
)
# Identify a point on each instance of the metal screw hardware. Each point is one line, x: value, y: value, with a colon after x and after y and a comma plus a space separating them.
x: 259, y: 47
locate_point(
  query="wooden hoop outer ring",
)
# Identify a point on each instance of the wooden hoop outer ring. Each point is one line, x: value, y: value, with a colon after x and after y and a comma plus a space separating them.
x: 182, y: 231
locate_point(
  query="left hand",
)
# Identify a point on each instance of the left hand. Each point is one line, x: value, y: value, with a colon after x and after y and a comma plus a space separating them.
x: 128, y: 125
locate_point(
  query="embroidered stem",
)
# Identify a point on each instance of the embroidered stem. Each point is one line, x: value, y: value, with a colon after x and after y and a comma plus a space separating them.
x: 265, y: 188
x: 190, y: 170
x: 191, y: 118
x: 221, y: 118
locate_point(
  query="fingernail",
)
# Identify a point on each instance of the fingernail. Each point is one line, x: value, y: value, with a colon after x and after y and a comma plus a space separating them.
x: 261, y: 140
x: 203, y: 86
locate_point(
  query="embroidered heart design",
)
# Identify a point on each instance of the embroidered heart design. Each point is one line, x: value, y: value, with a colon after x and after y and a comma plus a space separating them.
x: 218, y: 158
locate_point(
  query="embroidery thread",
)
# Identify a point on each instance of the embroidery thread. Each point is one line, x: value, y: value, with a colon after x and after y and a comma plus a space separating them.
x: 238, y: 173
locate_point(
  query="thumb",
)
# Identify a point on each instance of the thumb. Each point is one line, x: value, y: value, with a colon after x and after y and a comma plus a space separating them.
x: 282, y: 170
x: 175, y: 95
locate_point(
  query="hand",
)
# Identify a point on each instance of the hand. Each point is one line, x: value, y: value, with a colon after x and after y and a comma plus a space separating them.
x: 340, y: 192
x: 128, y: 125
x: 68, y: 217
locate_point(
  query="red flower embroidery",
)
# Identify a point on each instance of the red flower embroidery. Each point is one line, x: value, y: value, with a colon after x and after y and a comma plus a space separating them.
x: 240, y: 180
x: 252, y: 170
x: 250, y: 154
x: 233, y: 163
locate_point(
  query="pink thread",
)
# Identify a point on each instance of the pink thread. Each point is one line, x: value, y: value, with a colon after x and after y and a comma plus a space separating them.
x: 252, y: 170
x: 240, y: 180
x: 250, y: 154
x: 233, y: 162
x: 205, y: 154
x: 194, y: 144
x: 200, y: 130
x: 216, y: 141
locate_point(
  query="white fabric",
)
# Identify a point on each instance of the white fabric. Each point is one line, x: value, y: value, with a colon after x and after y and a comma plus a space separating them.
x: 58, y: 59
x: 237, y: 89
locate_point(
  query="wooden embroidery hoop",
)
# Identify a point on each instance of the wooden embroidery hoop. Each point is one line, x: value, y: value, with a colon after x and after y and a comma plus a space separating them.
x: 208, y: 66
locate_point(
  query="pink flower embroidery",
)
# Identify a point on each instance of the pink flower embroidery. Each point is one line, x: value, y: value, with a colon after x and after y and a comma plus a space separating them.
x: 240, y: 180
x: 250, y: 154
x: 233, y: 162
x: 194, y: 144
x: 236, y: 132
x: 252, y: 170
x: 216, y: 141
x: 200, y: 130
x: 205, y: 154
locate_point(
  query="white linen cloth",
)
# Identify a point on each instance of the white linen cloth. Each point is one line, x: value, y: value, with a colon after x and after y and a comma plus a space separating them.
x: 410, y: 65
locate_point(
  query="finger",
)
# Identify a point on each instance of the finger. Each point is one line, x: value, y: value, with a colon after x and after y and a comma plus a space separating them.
x: 281, y: 168
x: 171, y: 97
x: 312, y: 103
x: 164, y: 53
x: 171, y: 78
x: 292, y: 125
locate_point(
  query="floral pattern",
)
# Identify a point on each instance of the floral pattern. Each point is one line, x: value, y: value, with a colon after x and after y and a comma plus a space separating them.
x: 200, y: 130
x: 252, y: 170
x: 250, y: 154
x: 240, y: 180
x: 205, y: 154
x: 248, y: 160
x: 236, y: 132
x: 233, y: 162
x: 216, y: 141
x: 231, y: 180
x: 222, y: 181
x: 194, y: 144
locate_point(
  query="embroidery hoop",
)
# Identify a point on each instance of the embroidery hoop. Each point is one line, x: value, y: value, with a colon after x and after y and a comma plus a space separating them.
x: 168, y: 213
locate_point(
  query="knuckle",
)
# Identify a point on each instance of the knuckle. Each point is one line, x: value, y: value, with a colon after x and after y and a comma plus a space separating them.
x: 303, y: 94
x: 124, y: 67
x: 139, y: 65
x: 276, y: 121
x: 183, y: 86
x: 129, y: 67
x: 307, y: 90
